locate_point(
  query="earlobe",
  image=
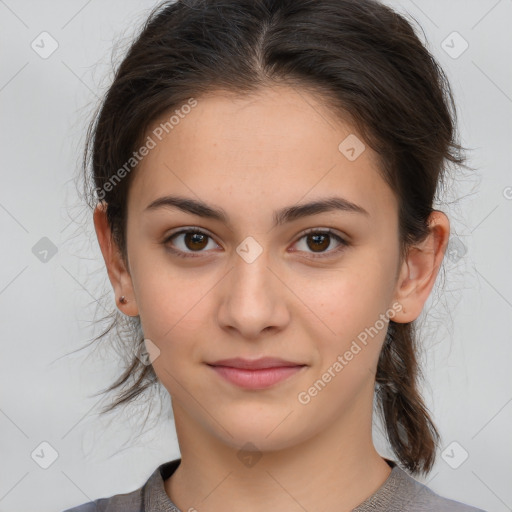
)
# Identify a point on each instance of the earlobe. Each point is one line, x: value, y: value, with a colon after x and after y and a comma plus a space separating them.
x: 117, y: 272
x: 420, y: 268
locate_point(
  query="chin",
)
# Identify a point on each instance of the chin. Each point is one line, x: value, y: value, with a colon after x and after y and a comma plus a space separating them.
x: 263, y: 435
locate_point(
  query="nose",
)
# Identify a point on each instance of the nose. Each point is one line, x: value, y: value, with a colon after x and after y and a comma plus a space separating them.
x: 253, y: 299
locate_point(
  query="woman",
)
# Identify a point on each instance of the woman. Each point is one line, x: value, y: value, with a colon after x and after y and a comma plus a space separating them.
x: 264, y: 175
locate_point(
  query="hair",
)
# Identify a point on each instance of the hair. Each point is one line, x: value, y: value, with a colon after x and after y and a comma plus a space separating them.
x: 365, y: 62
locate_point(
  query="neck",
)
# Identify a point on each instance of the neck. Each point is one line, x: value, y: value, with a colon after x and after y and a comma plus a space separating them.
x: 336, y: 470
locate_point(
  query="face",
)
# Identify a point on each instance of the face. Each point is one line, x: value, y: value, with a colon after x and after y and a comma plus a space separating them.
x: 262, y: 276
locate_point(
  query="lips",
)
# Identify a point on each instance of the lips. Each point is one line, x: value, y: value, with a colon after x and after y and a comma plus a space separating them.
x: 255, y: 364
x: 257, y: 373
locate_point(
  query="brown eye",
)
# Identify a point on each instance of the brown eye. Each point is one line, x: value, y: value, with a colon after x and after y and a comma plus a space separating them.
x: 186, y: 242
x: 321, y: 243
x: 318, y: 242
x: 196, y: 241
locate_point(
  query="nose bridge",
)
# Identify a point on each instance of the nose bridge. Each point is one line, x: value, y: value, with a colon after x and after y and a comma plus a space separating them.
x: 252, y: 300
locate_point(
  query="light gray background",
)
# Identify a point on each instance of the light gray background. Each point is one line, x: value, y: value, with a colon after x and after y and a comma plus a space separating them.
x: 47, y: 309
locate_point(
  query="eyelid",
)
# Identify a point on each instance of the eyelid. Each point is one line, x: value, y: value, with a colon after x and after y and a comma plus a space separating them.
x: 188, y: 229
x: 183, y: 231
x: 343, y: 241
x: 329, y: 231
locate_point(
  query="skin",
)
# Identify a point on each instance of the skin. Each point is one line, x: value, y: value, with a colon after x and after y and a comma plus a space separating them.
x: 251, y: 156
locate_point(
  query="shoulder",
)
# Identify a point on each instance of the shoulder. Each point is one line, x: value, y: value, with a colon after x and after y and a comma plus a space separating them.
x: 401, y: 492
x: 150, y: 494
x: 129, y: 502
x: 429, y: 500
x: 420, y: 498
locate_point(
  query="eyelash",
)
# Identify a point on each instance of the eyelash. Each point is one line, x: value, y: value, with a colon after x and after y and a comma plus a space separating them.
x: 182, y: 254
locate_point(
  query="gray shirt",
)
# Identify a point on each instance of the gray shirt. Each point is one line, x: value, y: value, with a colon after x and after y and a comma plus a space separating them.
x: 399, y: 493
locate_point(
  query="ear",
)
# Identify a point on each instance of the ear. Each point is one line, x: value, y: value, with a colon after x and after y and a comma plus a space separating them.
x: 117, y: 272
x: 419, y: 270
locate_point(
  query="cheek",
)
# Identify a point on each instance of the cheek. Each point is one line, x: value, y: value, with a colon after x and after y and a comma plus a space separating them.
x: 172, y: 303
x: 174, y: 320
x: 350, y: 305
x: 356, y: 296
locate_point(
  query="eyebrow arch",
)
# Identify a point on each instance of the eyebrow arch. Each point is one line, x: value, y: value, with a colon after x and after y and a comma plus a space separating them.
x: 282, y: 216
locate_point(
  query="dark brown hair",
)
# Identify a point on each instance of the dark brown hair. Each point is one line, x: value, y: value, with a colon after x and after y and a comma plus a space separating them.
x: 365, y: 62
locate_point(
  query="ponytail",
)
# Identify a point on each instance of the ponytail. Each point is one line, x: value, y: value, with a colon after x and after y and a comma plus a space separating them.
x: 410, y: 429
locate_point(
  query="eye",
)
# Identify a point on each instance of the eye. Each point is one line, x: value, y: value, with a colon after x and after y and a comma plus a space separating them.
x: 188, y: 241
x: 318, y: 241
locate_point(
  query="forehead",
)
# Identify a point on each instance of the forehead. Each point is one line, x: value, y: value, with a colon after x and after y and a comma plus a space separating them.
x: 278, y: 145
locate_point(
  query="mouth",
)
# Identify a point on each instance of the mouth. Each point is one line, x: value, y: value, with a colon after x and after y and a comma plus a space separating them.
x: 256, y: 374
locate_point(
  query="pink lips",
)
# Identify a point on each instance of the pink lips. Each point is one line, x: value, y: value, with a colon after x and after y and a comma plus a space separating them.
x: 255, y: 374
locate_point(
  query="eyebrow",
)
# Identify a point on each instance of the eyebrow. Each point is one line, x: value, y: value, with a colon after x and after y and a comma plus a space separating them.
x: 282, y: 216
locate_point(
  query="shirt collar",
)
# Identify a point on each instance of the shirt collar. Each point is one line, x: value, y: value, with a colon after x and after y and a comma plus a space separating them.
x: 155, y: 497
x: 398, y: 483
